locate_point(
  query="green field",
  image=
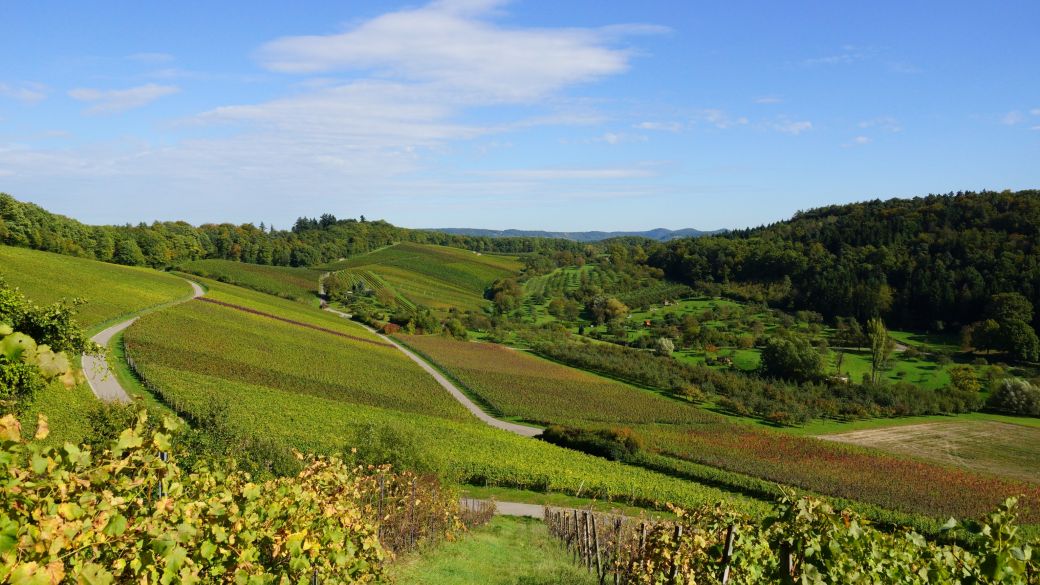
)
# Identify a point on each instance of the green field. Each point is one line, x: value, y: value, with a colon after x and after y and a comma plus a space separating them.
x: 110, y: 290
x: 298, y: 284
x: 507, y: 551
x: 436, y: 276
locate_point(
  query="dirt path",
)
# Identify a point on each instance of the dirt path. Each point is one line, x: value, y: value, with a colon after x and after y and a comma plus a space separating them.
x: 102, y: 382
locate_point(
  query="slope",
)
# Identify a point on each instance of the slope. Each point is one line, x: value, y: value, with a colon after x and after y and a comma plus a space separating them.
x: 435, y: 276
x: 298, y: 284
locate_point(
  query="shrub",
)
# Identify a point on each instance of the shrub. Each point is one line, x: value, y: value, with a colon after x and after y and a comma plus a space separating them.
x: 1016, y: 396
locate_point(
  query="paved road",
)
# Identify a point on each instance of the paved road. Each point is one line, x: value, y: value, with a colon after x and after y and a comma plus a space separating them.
x: 521, y: 430
x: 105, y: 385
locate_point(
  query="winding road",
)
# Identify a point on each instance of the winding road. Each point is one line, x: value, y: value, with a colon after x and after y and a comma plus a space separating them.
x: 102, y: 382
x: 458, y: 395
x: 107, y: 388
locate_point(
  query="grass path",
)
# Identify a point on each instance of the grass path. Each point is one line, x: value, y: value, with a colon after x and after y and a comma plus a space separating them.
x: 507, y: 551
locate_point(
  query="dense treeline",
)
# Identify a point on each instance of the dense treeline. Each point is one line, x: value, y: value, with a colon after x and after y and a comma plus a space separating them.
x: 926, y: 263
x: 162, y: 244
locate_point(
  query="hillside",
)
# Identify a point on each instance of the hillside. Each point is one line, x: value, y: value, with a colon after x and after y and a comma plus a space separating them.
x: 298, y: 284
x: 438, y: 277
x: 659, y: 234
x: 109, y: 291
x: 926, y: 263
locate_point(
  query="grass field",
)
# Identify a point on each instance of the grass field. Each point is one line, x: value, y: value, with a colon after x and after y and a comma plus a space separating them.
x: 436, y: 276
x: 996, y: 447
x: 517, y: 384
x: 298, y: 284
x: 507, y: 551
x: 111, y: 291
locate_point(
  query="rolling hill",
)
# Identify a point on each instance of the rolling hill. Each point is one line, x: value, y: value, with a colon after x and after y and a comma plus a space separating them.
x: 659, y: 234
x: 436, y: 276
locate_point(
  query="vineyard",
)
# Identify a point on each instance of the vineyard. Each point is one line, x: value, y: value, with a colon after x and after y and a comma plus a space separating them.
x: 691, y: 442
x: 255, y: 349
x: 298, y: 284
x: 883, y: 480
x: 131, y: 513
x: 283, y: 308
x: 802, y: 541
x: 366, y: 280
x: 110, y: 290
x: 435, y: 276
x: 517, y: 384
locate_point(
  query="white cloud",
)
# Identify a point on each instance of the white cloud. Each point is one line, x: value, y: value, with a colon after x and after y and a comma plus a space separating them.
x: 720, y: 119
x: 1035, y: 111
x: 552, y: 174
x: 886, y: 123
x: 768, y: 99
x: 118, y: 100
x: 28, y: 91
x: 847, y: 55
x: 1012, y: 118
x: 794, y: 127
x: 455, y: 44
x: 857, y: 141
x: 614, y: 138
x: 660, y: 126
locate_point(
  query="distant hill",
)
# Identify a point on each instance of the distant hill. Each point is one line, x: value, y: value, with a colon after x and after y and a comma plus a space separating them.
x: 659, y: 234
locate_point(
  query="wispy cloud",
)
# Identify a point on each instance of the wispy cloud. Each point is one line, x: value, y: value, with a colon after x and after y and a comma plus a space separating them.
x: 456, y: 44
x: 886, y: 123
x: 119, y: 100
x: 554, y: 174
x: 720, y: 119
x: 660, y: 126
x: 1012, y: 118
x: 26, y: 91
x: 794, y: 127
x: 847, y: 55
x: 857, y: 141
x: 768, y: 99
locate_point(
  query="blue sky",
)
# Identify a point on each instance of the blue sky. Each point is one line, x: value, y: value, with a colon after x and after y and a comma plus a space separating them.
x: 527, y: 114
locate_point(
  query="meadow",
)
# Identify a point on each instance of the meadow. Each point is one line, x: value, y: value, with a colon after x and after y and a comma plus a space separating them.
x: 436, y: 276
x: 1001, y: 448
x: 298, y: 284
x: 110, y: 290
x: 507, y: 551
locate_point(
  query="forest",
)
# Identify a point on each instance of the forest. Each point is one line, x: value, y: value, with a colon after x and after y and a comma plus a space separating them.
x: 309, y: 242
x: 927, y: 263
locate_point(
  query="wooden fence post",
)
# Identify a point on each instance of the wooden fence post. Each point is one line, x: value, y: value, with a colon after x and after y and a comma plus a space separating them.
x: 595, y: 545
x: 675, y: 564
x: 727, y: 553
